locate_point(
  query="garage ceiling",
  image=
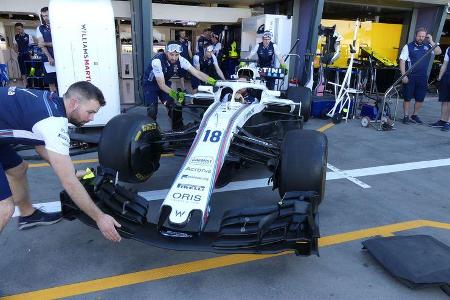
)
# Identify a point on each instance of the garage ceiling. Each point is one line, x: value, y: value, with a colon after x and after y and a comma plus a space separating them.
x: 402, y: 3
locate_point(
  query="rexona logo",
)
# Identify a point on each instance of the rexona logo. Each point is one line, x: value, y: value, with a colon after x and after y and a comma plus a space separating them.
x: 187, y: 197
x: 202, y: 160
x: 199, y: 170
x: 191, y: 187
x: 193, y: 177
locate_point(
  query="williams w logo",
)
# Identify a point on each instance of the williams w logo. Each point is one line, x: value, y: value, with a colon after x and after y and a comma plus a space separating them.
x: 179, y: 213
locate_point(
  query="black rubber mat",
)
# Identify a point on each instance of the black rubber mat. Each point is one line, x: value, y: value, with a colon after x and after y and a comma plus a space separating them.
x: 418, y: 261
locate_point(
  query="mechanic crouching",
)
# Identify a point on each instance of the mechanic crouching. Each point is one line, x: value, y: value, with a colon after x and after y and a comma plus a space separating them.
x: 208, y: 64
x: 157, y: 84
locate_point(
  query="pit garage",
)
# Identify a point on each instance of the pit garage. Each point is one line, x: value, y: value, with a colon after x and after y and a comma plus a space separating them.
x: 283, y: 195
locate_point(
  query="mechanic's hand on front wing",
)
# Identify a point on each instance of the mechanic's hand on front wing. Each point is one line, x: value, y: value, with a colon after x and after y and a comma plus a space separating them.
x: 177, y: 96
x: 211, y: 81
x: 107, y: 226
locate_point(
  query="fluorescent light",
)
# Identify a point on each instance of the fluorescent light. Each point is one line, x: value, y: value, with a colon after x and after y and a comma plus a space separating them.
x: 30, y: 15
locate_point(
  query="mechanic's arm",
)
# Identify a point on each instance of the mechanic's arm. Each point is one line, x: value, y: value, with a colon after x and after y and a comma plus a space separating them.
x: 63, y: 167
x: 218, y: 70
x: 442, y: 70
x: 278, y: 54
x: 189, y: 50
x: 162, y: 85
x: 199, y: 74
x: 437, y: 50
x: 253, y: 52
x: 43, y: 45
x: 403, y: 71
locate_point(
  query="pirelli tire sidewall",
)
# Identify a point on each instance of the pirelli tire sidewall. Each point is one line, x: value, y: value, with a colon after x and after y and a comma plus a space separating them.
x: 303, y: 95
x: 126, y: 146
x: 303, y: 162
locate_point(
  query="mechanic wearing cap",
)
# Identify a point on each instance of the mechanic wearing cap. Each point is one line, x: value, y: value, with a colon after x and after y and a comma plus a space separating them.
x: 186, y: 53
x: 22, y: 42
x: 40, y: 118
x: 416, y: 83
x: 267, y: 51
x: 44, y: 37
x: 207, y: 63
x: 157, y: 83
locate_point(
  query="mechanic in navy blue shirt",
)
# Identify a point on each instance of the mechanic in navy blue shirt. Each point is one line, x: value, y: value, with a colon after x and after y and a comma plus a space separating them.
x: 267, y: 51
x: 443, y: 81
x: 186, y: 53
x: 208, y: 64
x: 157, y: 84
x: 415, y: 84
x: 44, y: 37
x: 22, y: 42
x: 204, y: 40
x: 34, y: 117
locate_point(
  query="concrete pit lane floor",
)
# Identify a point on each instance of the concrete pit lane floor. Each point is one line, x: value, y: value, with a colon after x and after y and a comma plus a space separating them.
x: 378, y: 184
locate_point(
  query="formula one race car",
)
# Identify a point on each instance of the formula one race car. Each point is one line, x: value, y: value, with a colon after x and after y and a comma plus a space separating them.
x: 260, y: 128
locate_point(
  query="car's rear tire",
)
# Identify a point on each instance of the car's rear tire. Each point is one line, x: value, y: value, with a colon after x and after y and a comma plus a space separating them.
x: 127, y: 147
x: 303, y: 162
x: 303, y: 95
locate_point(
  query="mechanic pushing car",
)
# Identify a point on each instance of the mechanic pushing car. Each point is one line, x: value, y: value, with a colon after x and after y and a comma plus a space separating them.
x: 157, y: 82
x: 34, y: 117
x: 267, y: 50
x: 208, y: 64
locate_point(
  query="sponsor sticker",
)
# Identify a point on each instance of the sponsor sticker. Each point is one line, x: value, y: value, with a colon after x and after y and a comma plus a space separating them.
x: 191, y: 187
x: 198, y: 170
x: 202, y: 160
x: 186, y: 176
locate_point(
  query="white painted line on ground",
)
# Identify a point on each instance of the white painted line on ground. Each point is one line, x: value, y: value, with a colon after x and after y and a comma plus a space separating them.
x: 348, y: 177
x: 260, y: 183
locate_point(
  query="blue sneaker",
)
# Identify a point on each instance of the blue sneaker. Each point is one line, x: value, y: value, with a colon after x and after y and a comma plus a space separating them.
x: 446, y: 127
x: 416, y: 119
x: 38, y: 218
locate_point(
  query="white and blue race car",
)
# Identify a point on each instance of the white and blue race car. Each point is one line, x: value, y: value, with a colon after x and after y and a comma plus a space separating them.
x: 240, y: 123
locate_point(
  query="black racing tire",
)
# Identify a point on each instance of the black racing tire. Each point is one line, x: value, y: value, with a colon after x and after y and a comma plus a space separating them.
x: 303, y: 162
x: 303, y: 95
x: 126, y: 147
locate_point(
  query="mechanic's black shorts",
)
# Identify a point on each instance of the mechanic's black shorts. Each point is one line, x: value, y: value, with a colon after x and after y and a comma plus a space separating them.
x: 444, y: 90
x: 22, y: 65
x: 8, y: 160
x: 49, y: 78
x: 415, y: 88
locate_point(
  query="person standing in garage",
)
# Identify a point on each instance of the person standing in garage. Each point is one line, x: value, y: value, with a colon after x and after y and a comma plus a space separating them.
x: 416, y: 83
x: 157, y: 85
x: 204, y: 40
x: 267, y: 51
x: 44, y: 37
x: 208, y: 64
x: 444, y: 94
x: 22, y: 42
x: 40, y: 118
x: 186, y: 53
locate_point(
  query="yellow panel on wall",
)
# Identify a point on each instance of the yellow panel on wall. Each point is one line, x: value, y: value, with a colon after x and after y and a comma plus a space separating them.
x: 383, y: 38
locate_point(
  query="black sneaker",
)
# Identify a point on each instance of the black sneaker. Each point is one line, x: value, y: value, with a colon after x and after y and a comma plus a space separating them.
x: 446, y: 127
x: 416, y: 119
x: 38, y: 218
x: 406, y: 120
x: 438, y: 124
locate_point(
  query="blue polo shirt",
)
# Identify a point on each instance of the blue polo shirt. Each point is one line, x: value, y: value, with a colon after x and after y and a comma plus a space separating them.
x: 33, y: 117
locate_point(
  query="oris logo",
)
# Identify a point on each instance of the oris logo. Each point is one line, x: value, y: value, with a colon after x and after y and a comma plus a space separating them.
x: 202, y: 160
x: 186, y: 197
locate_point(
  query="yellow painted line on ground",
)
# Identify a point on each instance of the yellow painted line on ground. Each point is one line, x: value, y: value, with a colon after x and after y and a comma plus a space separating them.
x: 325, y: 127
x: 81, y: 161
x: 208, y: 264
